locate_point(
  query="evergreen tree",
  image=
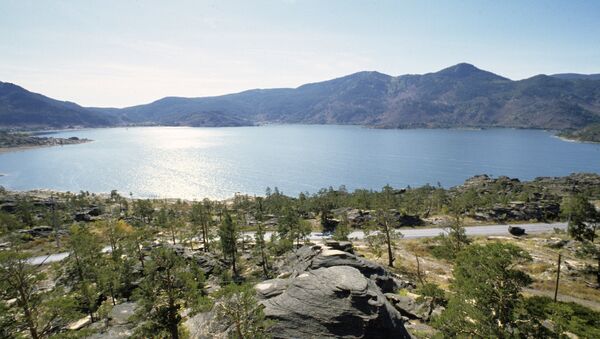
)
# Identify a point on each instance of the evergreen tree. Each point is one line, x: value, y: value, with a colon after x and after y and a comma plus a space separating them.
x: 169, y: 285
x: 144, y: 210
x: 381, y: 233
x: 84, y: 265
x: 201, y: 217
x: 37, y: 311
x: 582, y: 216
x: 259, y: 237
x: 342, y: 230
x: 25, y: 211
x: 229, y: 235
x: 239, y: 307
x: 292, y: 228
x: 486, y: 291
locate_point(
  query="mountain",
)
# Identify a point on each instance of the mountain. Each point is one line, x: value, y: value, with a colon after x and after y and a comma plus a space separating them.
x: 458, y: 96
x: 577, y: 76
x: 21, y: 108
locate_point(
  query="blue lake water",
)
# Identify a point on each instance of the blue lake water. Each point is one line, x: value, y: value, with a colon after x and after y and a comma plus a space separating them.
x: 194, y: 163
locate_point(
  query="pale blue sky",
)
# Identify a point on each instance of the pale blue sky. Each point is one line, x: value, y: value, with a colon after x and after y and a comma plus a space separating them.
x: 120, y: 53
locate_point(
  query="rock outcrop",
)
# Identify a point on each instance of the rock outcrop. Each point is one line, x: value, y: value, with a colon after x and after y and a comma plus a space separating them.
x: 412, y: 307
x: 318, y: 256
x: 330, y: 302
x: 360, y: 218
x: 323, y: 292
x: 520, y: 211
x: 120, y: 324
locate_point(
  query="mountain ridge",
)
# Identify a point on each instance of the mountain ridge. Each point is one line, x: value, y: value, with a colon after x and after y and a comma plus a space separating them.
x: 20, y: 107
x: 461, y: 95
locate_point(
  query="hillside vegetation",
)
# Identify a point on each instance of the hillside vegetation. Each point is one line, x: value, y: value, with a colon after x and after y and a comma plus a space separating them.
x: 589, y: 133
x: 246, y: 267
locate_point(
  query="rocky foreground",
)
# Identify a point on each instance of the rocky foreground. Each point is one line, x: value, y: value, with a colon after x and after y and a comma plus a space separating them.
x: 323, y: 291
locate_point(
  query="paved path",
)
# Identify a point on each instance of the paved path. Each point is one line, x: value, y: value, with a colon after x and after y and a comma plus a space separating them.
x: 408, y: 233
x: 412, y: 233
x: 48, y: 259
x: 478, y: 230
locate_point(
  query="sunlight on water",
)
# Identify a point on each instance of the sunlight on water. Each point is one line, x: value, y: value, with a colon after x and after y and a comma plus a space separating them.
x: 193, y: 163
x: 174, y: 138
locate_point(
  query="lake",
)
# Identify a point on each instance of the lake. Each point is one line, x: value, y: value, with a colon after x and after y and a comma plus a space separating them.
x: 193, y: 163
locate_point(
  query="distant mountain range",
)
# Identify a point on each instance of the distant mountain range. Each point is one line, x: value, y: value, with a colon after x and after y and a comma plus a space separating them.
x: 458, y: 96
x: 577, y: 76
x: 21, y: 108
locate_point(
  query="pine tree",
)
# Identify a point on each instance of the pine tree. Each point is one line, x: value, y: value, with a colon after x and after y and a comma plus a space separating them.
x: 37, y: 311
x: 229, y: 235
x: 259, y: 237
x: 84, y: 265
x: 486, y: 291
x: 169, y: 285
x: 201, y: 217
x: 582, y: 216
x: 382, y: 233
x: 239, y: 307
x: 342, y: 230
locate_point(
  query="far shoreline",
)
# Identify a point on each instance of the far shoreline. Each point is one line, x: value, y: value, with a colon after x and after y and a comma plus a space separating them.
x: 4, y: 150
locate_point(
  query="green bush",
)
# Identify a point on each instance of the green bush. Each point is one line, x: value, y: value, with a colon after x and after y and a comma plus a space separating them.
x: 565, y: 317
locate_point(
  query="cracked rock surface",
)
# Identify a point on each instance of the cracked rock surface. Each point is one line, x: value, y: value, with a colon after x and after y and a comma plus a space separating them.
x: 330, y: 293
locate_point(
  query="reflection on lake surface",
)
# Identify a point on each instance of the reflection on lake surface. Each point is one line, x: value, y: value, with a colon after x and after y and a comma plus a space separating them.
x: 195, y: 163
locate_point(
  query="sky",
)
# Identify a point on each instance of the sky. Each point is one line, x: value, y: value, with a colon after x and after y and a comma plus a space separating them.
x: 122, y: 53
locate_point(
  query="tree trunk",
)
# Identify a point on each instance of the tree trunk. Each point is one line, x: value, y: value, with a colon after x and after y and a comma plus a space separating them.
x: 112, y: 295
x: 557, y: 278
x: 205, y: 237
x: 419, y: 270
x: 598, y: 271
x: 389, y: 246
x: 28, y: 315
x: 55, y: 223
x: 238, y: 329
x: 173, y: 323
x: 233, y: 264
x: 266, y: 268
x: 140, y: 256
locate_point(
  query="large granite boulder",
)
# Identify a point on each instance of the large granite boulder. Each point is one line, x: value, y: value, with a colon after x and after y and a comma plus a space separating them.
x: 329, y: 302
x: 320, y: 256
x: 322, y: 292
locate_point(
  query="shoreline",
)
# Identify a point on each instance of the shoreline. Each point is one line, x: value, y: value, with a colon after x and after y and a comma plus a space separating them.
x: 40, y: 132
x: 574, y: 140
x: 4, y: 150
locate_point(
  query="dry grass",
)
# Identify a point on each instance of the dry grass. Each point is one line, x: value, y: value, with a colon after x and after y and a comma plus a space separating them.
x: 575, y: 281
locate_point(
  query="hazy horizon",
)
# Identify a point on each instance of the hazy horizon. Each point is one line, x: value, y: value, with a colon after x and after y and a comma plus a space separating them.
x: 117, y: 54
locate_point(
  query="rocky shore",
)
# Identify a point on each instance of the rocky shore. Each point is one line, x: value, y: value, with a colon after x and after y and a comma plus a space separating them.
x: 18, y: 141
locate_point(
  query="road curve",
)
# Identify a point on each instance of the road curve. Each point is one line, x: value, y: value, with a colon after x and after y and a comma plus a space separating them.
x: 408, y: 233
